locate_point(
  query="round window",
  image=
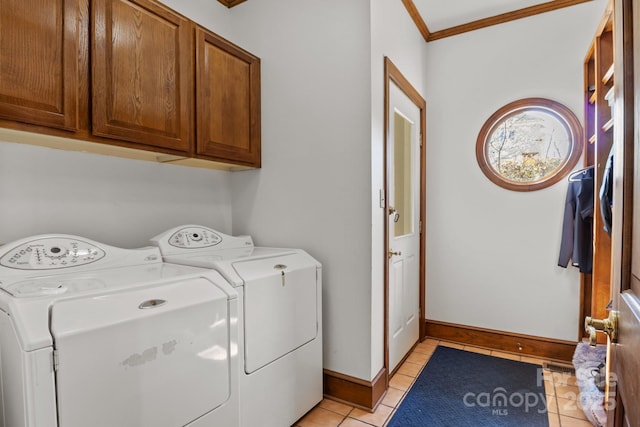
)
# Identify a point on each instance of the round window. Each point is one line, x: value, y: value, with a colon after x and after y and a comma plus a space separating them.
x: 529, y: 144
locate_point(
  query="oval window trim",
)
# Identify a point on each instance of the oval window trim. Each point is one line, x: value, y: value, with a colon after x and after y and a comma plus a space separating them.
x: 558, y: 111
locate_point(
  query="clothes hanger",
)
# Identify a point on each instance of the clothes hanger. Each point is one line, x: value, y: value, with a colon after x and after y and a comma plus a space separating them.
x: 579, y: 174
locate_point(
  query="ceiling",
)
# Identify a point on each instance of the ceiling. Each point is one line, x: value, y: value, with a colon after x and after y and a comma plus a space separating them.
x: 437, y: 19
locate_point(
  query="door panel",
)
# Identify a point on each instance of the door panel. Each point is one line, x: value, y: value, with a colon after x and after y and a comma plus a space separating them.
x: 624, y: 363
x: 625, y: 367
x: 279, y: 307
x: 39, y: 62
x: 403, y: 167
x: 120, y: 365
x: 396, y: 301
x: 627, y: 349
x: 227, y: 100
x: 142, y: 74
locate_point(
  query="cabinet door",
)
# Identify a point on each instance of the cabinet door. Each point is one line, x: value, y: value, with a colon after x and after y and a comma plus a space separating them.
x: 227, y: 101
x: 142, y: 74
x: 39, y: 62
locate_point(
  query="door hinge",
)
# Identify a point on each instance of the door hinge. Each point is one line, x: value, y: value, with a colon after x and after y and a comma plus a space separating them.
x: 55, y: 360
x: 420, y: 226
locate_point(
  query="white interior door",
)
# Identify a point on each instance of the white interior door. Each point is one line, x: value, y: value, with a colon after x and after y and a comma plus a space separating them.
x: 403, y: 195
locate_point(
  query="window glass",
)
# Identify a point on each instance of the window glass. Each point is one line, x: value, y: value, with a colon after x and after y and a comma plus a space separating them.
x: 529, y: 144
x: 403, y: 191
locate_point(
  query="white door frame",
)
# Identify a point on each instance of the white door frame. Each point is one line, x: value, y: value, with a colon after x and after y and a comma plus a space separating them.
x: 392, y: 74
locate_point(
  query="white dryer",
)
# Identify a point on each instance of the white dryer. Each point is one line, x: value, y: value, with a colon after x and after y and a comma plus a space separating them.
x: 93, y: 335
x: 280, y: 319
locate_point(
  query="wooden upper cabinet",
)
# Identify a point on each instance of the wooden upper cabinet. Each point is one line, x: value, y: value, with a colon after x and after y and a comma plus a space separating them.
x: 142, y: 74
x: 227, y: 101
x: 131, y: 73
x: 39, y: 42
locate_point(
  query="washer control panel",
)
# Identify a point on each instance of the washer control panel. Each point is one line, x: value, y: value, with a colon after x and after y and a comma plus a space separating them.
x: 194, y: 238
x: 51, y: 253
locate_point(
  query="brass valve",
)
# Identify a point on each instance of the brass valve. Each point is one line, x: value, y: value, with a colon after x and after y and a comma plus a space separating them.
x: 608, y: 326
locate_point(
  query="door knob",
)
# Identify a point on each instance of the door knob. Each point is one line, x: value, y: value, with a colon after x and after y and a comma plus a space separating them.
x: 392, y: 210
x: 608, y: 326
x: 392, y: 253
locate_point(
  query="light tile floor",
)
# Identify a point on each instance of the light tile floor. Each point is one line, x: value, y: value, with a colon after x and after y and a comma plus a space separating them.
x: 561, y: 391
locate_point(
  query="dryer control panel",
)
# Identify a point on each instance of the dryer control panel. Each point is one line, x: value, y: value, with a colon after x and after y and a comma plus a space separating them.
x: 51, y: 253
x: 194, y: 237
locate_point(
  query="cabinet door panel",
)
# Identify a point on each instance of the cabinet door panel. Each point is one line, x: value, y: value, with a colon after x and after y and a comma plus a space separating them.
x: 142, y: 82
x: 227, y: 101
x: 39, y: 62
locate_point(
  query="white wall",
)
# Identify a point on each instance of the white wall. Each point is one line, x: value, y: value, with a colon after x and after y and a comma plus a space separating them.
x: 116, y: 201
x: 492, y: 253
x: 322, y: 124
x: 313, y: 190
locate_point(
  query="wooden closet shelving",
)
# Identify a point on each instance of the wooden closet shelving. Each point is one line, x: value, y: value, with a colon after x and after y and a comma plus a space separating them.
x: 598, y: 88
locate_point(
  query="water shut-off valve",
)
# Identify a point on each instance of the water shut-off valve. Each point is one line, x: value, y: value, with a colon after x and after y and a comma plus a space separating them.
x: 608, y: 326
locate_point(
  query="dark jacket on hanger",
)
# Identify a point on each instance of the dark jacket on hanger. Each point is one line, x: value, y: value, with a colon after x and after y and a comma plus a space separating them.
x: 606, y: 194
x: 577, y: 226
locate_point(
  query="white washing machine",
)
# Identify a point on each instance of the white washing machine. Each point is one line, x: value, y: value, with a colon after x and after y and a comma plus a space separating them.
x: 280, y: 319
x: 97, y: 336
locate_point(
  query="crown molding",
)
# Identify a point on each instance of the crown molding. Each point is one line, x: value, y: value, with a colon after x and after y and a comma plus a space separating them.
x: 485, y: 22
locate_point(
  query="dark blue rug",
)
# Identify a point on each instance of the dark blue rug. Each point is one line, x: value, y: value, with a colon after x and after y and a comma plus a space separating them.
x: 463, y: 389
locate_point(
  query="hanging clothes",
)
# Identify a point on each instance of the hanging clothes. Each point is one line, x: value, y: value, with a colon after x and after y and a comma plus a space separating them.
x: 577, y: 225
x: 606, y: 194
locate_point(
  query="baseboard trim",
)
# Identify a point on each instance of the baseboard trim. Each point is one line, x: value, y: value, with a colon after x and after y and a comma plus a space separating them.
x: 525, y: 345
x: 354, y: 391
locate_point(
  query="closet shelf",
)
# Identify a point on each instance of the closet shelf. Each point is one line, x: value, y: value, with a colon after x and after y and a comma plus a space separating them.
x: 608, y: 75
x: 609, y: 97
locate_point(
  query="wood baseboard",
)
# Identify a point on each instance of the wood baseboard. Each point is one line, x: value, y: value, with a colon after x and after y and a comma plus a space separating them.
x: 525, y: 345
x: 368, y: 394
x: 354, y: 391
